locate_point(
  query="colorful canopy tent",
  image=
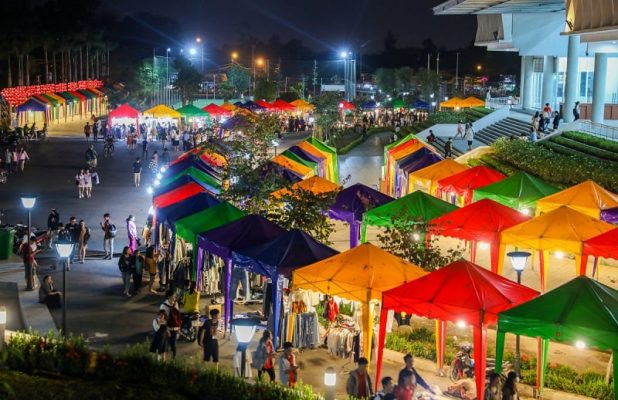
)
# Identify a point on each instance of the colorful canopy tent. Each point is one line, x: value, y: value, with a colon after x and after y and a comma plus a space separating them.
x: 464, y: 183
x: 519, y: 191
x: 420, y: 105
x: 276, y: 169
x: 610, y: 215
x: 417, y: 206
x: 426, y: 179
x: 420, y: 159
x: 176, y: 195
x: 73, y: 105
x: 455, y: 102
x: 302, y: 105
x: 123, y: 114
x: 249, y: 231
x: 580, y: 310
x: 471, y: 102
x: 297, y: 168
x: 398, y: 103
x: 605, y: 245
x: 319, y: 159
x: 188, y: 228
x: 346, y: 105
x: 205, y: 154
x: 459, y: 292
x: 307, y: 163
x: 313, y: 144
x: 483, y: 222
x: 191, y: 111
x: 279, y: 257
x: 32, y: 111
x: 561, y: 230
x: 217, y: 111
x: 191, y: 205
x: 281, y: 105
x: 391, y: 155
x: 264, y: 104
x: 212, y: 184
x: 179, y: 182
x: 161, y: 111
x: 229, y: 106
x: 350, y: 205
x: 192, y: 160
x: 369, y: 105
x: 315, y: 185
x: 360, y: 274
x: 251, y: 106
x: 587, y: 197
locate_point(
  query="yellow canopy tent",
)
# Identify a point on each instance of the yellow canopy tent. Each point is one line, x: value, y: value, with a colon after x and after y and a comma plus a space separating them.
x: 303, y: 171
x: 229, y: 106
x: 406, y: 150
x: 472, y: 102
x: 161, y: 111
x: 587, y: 197
x: 330, y: 170
x: 426, y: 179
x: 452, y: 103
x: 302, y: 105
x: 316, y: 185
x: 359, y: 274
x: 560, y: 230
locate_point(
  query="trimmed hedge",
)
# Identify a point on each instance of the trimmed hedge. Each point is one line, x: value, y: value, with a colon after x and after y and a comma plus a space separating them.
x: 592, y: 140
x: 585, y: 149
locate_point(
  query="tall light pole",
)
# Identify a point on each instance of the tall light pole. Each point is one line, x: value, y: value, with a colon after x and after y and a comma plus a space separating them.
x: 457, y: 73
x: 519, y: 259
x: 346, y: 78
x: 28, y: 202
x: 234, y: 57
x: 198, y: 40
x: 64, y: 252
x: 167, y: 75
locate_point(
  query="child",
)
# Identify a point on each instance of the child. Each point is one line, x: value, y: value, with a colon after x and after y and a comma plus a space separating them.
x: 159, y: 341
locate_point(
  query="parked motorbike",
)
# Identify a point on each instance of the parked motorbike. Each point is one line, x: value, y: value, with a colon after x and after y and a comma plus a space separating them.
x: 463, y: 364
x: 190, y: 325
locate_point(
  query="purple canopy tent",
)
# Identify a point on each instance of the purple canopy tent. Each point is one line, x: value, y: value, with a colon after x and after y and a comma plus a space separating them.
x: 350, y: 205
x: 248, y: 231
x: 280, y: 257
x: 610, y: 215
x: 419, y: 159
x: 309, y: 157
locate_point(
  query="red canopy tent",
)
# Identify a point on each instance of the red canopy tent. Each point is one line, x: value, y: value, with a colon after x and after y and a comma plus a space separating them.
x: 281, y: 105
x: 459, y: 292
x: 482, y: 221
x: 346, y: 105
x: 124, y: 111
x: 217, y: 111
x: 176, y: 195
x: 464, y: 183
x: 605, y: 245
x: 264, y: 104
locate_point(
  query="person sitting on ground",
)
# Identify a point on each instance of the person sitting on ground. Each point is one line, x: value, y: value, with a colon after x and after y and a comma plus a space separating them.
x: 47, y: 293
x: 388, y: 389
x: 463, y: 389
x: 359, y: 382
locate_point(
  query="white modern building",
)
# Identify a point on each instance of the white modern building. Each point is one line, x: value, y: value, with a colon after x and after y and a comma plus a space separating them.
x: 568, y: 49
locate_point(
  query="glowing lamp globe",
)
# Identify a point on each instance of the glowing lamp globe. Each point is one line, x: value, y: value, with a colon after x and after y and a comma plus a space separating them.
x: 28, y: 202
x: 330, y: 377
x: 2, y: 315
x: 519, y: 259
x: 244, y: 328
x: 64, y: 249
x: 580, y: 344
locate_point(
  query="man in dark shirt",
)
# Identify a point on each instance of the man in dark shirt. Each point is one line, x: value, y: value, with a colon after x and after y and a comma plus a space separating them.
x: 137, y: 172
x: 73, y: 228
x: 207, y: 338
x: 409, y: 360
x: 53, y: 220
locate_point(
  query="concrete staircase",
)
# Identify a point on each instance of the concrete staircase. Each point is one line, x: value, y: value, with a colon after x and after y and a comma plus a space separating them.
x: 503, y: 128
x: 439, y: 145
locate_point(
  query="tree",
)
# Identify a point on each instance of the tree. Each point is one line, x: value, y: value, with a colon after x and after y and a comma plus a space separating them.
x: 188, y: 80
x: 327, y: 113
x: 305, y: 210
x: 405, y: 238
x: 266, y: 90
x: 238, y: 80
x: 141, y: 85
x: 386, y: 80
x: 428, y: 83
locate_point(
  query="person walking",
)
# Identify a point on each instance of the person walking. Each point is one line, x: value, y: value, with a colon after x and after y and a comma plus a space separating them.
x: 8, y: 160
x: 556, y: 120
x: 359, y: 383
x: 92, y: 157
x: 132, y: 233
x: 20, y: 158
x: 154, y: 164
x: 159, y: 342
x: 207, y: 338
x: 145, y: 148
x: 263, y: 358
x: 288, y: 369
x: 137, y: 171
x: 84, y: 236
x: 460, y: 132
x: 87, y: 131
x: 81, y: 183
x: 174, y: 319
x: 87, y: 183
x: 73, y: 228
x: 533, y: 135
x: 469, y: 135
x: 53, y: 222
x: 576, y: 111
x: 125, y: 265
x: 109, y: 233
x: 448, y: 148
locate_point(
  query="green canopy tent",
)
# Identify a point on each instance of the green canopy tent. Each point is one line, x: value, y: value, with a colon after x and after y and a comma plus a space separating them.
x: 191, y: 111
x: 519, y: 191
x: 583, y: 312
x: 327, y: 149
x: 188, y: 228
x: 306, y: 163
x: 418, y: 206
x: 197, y: 174
x: 398, y: 103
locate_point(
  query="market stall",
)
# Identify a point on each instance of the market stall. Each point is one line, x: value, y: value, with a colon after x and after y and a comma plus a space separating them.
x: 265, y: 105
x: 301, y: 160
x: 480, y: 224
x: 124, y: 115
x: 216, y: 111
x: 418, y: 206
x: 194, y: 117
x: 56, y: 106
x: 420, y: 159
x: 462, y: 293
x: 160, y: 114
x: 519, y: 191
x: 582, y: 312
x: 277, y: 259
x: 346, y: 106
x: 472, y: 102
x: 603, y: 246
x: 563, y: 230
x: 33, y: 111
x: 73, y: 104
x: 420, y: 105
x: 271, y: 167
x: 283, y: 106
x: 315, y: 185
x: 459, y: 188
x: 313, y: 144
x: 246, y: 232
x: 318, y: 159
x: 360, y: 274
x: 298, y: 169
x: 170, y: 214
x: 610, y: 215
x: 454, y: 102
x: 176, y: 195
x: 426, y: 179
x: 351, y: 204
x: 302, y: 106
x: 587, y: 197
x: 192, y: 161
x: 211, y: 184
x: 405, y: 148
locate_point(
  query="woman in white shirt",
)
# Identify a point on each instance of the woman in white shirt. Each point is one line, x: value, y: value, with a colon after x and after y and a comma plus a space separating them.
x: 79, y: 180
x: 87, y: 183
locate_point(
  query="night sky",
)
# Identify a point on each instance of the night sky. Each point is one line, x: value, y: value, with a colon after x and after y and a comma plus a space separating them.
x: 320, y: 24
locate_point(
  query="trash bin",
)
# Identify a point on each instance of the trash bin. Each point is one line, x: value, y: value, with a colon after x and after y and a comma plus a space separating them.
x: 6, y: 243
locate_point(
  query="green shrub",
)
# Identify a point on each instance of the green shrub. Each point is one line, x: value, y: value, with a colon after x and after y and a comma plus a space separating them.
x: 585, y: 148
x: 601, y: 143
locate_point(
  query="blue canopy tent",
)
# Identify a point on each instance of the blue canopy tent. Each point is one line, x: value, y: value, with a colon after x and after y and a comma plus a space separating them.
x: 238, y: 104
x: 252, y: 106
x: 369, y: 105
x: 421, y: 158
x: 249, y: 231
x: 32, y: 106
x: 420, y: 105
x: 277, y: 259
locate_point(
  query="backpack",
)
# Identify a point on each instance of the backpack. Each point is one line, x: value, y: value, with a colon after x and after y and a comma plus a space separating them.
x: 258, y: 357
x: 174, y: 318
x: 113, y: 230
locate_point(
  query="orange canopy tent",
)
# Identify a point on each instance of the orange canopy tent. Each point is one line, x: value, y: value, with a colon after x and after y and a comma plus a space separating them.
x: 426, y: 179
x: 480, y: 222
x: 460, y: 292
x: 472, y: 102
x: 297, y: 168
x: 561, y: 230
x: 464, y: 183
x: 302, y: 105
x: 316, y: 185
x: 229, y: 106
x: 587, y: 197
x: 359, y: 274
x: 452, y: 103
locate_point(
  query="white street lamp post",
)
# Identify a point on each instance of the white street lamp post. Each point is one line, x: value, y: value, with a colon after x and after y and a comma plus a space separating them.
x: 330, y: 381
x: 244, y: 329
x: 519, y: 259
x: 2, y: 325
x: 64, y: 251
